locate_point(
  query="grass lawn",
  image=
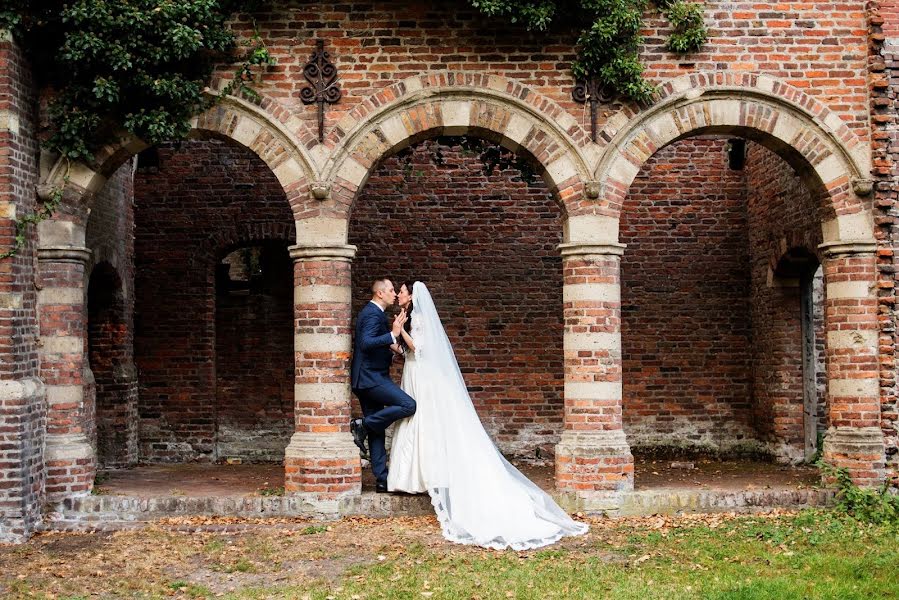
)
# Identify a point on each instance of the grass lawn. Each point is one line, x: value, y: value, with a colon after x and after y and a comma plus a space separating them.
x: 812, y: 554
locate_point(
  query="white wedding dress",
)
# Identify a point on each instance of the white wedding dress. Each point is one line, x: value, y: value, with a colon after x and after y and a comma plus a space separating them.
x: 443, y: 450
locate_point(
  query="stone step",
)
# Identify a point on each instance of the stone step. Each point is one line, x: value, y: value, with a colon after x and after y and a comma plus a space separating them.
x: 669, y: 502
x: 111, y: 512
x: 119, y: 512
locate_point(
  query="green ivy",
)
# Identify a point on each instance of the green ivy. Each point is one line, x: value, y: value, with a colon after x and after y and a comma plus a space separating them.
x: 140, y: 66
x: 689, y: 31
x: 492, y: 156
x: 46, y: 210
x: 880, y: 505
x: 608, y: 45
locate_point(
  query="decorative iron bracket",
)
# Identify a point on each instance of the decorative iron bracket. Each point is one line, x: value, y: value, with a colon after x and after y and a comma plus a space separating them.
x: 322, y: 77
x: 594, y: 92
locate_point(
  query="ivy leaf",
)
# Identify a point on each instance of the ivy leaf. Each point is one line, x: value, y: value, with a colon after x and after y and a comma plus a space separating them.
x: 689, y: 31
x: 106, y: 89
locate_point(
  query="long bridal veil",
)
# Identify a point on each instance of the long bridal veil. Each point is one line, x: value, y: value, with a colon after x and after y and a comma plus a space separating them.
x: 478, y: 496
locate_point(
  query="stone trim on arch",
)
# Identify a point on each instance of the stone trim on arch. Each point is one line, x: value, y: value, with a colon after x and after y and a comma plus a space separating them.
x: 280, y: 115
x: 411, y: 89
x: 739, y: 83
x: 451, y: 111
x: 758, y: 107
x: 233, y: 118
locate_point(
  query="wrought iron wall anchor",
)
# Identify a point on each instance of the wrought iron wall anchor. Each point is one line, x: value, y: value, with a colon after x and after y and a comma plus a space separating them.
x: 594, y: 92
x: 322, y: 77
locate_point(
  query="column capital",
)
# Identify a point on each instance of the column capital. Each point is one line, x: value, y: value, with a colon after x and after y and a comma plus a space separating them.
x: 340, y: 253
x: 591, y: 249
x: 848, y: 247
x: 66, y: 254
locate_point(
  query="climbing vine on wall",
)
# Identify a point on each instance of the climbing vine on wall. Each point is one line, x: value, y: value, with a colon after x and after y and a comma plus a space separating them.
x: 138, y: 66
x: 46, y: 210
x: 492, y: 156
x: 608, y: 44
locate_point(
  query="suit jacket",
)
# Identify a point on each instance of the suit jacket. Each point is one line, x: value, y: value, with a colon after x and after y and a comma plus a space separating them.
x: 371, y: 349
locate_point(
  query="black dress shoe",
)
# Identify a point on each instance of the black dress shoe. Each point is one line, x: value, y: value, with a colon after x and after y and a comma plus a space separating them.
x: 359, y: 435
x: 381, y: 488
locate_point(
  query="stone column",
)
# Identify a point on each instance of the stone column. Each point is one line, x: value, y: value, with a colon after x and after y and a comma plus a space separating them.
x: 70, y: 457
x: 593, y: 460
x: 321, y: 462
x: 854, y: 440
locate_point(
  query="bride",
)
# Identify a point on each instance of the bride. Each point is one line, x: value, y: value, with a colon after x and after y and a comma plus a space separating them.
x: 443, y: 449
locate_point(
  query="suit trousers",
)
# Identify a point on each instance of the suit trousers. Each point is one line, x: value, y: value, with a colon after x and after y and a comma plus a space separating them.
x: 382, y: 405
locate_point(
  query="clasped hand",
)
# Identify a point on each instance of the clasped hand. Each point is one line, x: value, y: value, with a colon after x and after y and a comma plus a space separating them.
x: 398, y: 323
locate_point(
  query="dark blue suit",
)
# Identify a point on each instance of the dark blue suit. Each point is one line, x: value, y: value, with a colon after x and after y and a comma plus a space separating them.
x: 383, y: 402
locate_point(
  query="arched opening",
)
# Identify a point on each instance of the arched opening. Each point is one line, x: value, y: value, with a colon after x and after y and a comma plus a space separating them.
x: 109, y: 337
x: 254, y: 363
x: 721, y: 359
x: 484, y: 238
x: 199, y: 206
x: 800, y: 268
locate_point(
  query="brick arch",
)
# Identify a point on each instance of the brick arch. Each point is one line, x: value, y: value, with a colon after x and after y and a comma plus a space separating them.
x: 222, y: 243
x: 831, y: 160
x: 790, y: 262
x: 105, y: 252
x: 232, y: 118
x: 454, y: 110
x: 791, y: 245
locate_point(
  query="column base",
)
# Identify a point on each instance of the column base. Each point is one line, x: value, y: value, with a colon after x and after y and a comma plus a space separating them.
x: 593, y: 469
x: 71, y: 466
x: 322, y: 468
x: 860, y: 450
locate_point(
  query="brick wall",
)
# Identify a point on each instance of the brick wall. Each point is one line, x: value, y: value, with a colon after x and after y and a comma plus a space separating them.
x: 110, y: 322
x: 486, y: 247
x: 884, y: 68
x: 204, y: 199
x: 817, y: 47
x: 22, y: 400
x: 711, y: 338
x: 686, y: 331
x: 782, y: 221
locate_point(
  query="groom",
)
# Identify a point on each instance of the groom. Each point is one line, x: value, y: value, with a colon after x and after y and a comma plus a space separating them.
x: 383, y: 402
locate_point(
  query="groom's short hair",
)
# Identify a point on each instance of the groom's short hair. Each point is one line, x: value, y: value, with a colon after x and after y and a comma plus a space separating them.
x: 379, y: 284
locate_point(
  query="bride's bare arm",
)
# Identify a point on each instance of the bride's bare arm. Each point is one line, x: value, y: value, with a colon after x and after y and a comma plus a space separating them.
x: 408, y: 339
